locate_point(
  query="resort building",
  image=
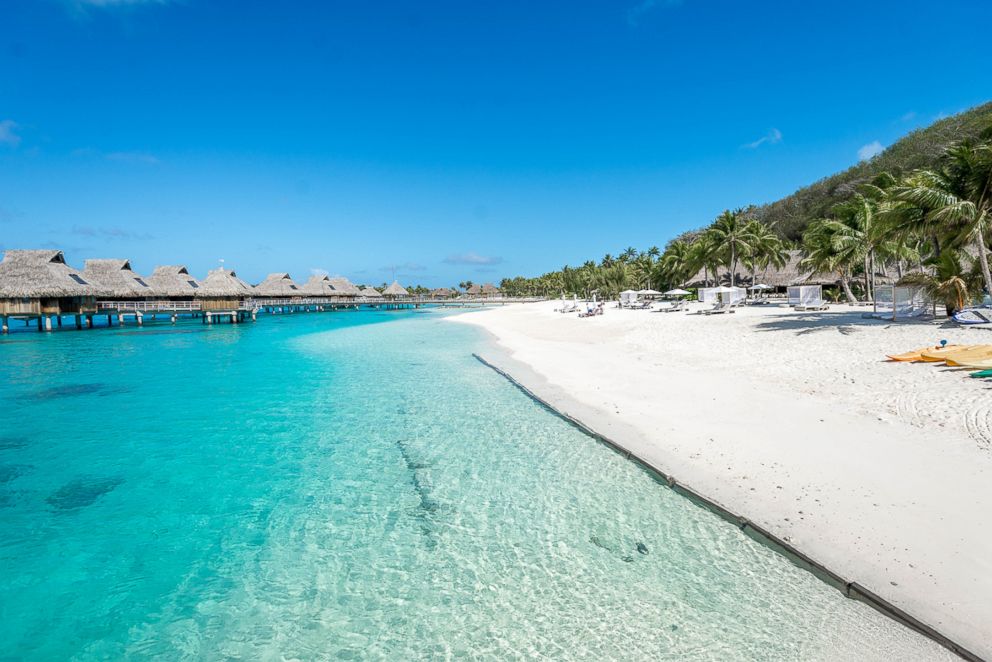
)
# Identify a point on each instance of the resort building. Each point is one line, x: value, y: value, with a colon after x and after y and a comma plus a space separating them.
x: 395, y: 291
x: 318, y: 287
x: 223, y: 292
x: 113, y: 281
x: 344, y: 287
x: 278, y: 286
x: 371, y: 293
x: 40, y: 285
x: 173, y: 283
x: 443, y: 293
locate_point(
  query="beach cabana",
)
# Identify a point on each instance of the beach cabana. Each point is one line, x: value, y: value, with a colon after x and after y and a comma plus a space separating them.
x: 395, y: 291
x: 113, y: 279
x: 278, y: 286
x: 489, y: 290
x: 722, y: 293
x: 222, y: 290
x: 172, y: 282
x: 806, y: 295
x: 902, y: 302
x: 628, y: 297
x: 40, y: 284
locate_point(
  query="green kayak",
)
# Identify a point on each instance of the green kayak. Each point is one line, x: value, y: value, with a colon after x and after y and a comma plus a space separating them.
x: 982, y: 373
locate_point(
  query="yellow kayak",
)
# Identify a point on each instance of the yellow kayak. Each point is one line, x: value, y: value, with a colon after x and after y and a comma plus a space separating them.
x: 940, y: 353
x: 913, y: 355
x: 976, y: 364
x: 979, y: 352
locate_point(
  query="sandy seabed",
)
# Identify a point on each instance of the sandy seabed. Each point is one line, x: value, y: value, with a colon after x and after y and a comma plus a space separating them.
x: 880, y: 471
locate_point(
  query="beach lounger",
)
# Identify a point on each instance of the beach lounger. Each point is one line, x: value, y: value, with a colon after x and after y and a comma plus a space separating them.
x: 814, y: 305
x: 721, y: 308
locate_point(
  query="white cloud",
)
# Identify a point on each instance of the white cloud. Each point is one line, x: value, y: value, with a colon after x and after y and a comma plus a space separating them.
x: 8, y: 133
x: 472, y: 258
x: 870, y: 150
x: 635, y: 13
x: 773, y: 137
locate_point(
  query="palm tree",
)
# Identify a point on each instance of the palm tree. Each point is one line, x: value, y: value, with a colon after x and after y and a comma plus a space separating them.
x: 766, y: 249
x: 958, y: 197
x: 628, y: 255
x: 731, y: 233
x: 949, y: 283
x: 823, y: 253
x: 677, y: 263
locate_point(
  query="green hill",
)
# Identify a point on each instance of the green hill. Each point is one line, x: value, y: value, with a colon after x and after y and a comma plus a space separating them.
x: 919, y: 149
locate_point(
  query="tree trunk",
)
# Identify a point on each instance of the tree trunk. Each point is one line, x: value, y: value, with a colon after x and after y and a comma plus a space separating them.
x: 871, y: 259
x: 733, y: 264
x: 867, y: 279
x: 983, y: 260
x: 846, y: 286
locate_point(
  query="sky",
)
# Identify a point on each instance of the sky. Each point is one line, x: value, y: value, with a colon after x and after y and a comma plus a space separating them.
x: 439, y: 142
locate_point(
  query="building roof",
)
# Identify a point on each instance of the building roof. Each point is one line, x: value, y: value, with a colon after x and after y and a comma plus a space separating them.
x: 114, y: 278
x: 172, y: 281
x: 370, y: 292
x: 344, y: 287
x: 318, y: 285
x: 489, y: 288
x: 278, y: 285
x: 396, y: 290
x: 474, y: 289
x: 37, y: 274
x: 443, y: 292
x: 223, y: 282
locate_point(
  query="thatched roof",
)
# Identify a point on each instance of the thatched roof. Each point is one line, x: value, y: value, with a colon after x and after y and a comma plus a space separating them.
x: 114, y: 278
x: 489, y: 288
x: 223, y: 282
x: 395, y: 290
x: 318, y: 286
x: 172, y: 281
x: 371, y: 292
x: 443, y: 292
x: 474, y: 290
x: 344, y: 287
x: 37, y: 274
x: 278, y: 285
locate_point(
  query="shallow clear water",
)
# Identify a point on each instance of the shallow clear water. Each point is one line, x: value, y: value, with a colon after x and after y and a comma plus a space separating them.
x: 357, y: 486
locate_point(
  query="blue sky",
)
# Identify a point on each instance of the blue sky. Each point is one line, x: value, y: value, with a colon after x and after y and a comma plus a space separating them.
x: 445, y: 141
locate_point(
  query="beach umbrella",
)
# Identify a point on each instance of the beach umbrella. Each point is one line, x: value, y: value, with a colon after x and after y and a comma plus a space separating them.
x: 760, y: 286
x: 648, y: 292
x: 677, y: 292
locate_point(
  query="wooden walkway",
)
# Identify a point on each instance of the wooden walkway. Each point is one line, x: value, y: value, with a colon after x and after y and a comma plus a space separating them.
x: 139, y: 311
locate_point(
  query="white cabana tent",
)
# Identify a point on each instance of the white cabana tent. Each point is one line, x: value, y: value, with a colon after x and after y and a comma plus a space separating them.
x: 628, y: 297
x: 759, y: 287
x: 901, y: 302
x: 648, y: 293
x: 722, y: 293
x: 805, y: 295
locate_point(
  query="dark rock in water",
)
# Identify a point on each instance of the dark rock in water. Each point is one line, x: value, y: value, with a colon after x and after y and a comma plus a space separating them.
x: 11, y: 443
x: 599, y: 543
x: 627, y: 559
x: 82, y: 492
x: 9, y: 472
x: 67, y: 391
x: 642, y: 548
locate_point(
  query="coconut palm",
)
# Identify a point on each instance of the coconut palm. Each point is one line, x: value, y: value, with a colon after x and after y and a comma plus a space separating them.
x: 731, y: 234
x: 823, y: 253
x: 950, y: 282
x: 677, y: 263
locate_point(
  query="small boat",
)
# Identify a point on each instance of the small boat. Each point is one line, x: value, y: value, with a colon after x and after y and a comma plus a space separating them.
x: 940, y: 353
x: 977, y: 352
x: 970, y: 316
x: 913, y: 355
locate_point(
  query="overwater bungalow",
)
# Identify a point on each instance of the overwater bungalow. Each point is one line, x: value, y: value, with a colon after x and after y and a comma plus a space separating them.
x: 278, y: 286
x: 371, y: 293
x: 39, y: 284
x: 223, y: 292
x: 115, y: 281
x: 344, y: 287
x: 395, y: 291
x: 173, y: 282
x: 489, y: 290
x: 319, y: 287
x: 443, y: 293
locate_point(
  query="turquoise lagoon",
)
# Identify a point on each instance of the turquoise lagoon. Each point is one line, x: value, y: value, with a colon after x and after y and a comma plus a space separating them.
x: 358, y: 486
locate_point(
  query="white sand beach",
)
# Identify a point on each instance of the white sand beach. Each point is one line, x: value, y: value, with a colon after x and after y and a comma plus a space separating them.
x: 880, y: 471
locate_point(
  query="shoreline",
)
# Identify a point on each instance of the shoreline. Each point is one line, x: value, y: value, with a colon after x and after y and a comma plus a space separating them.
x: 845, y: 501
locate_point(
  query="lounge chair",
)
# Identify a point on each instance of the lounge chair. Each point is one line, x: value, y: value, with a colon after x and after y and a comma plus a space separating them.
x: 813, y: 305
x: 971, y: 316
x: 721, y: 308
x: 672, y: 307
